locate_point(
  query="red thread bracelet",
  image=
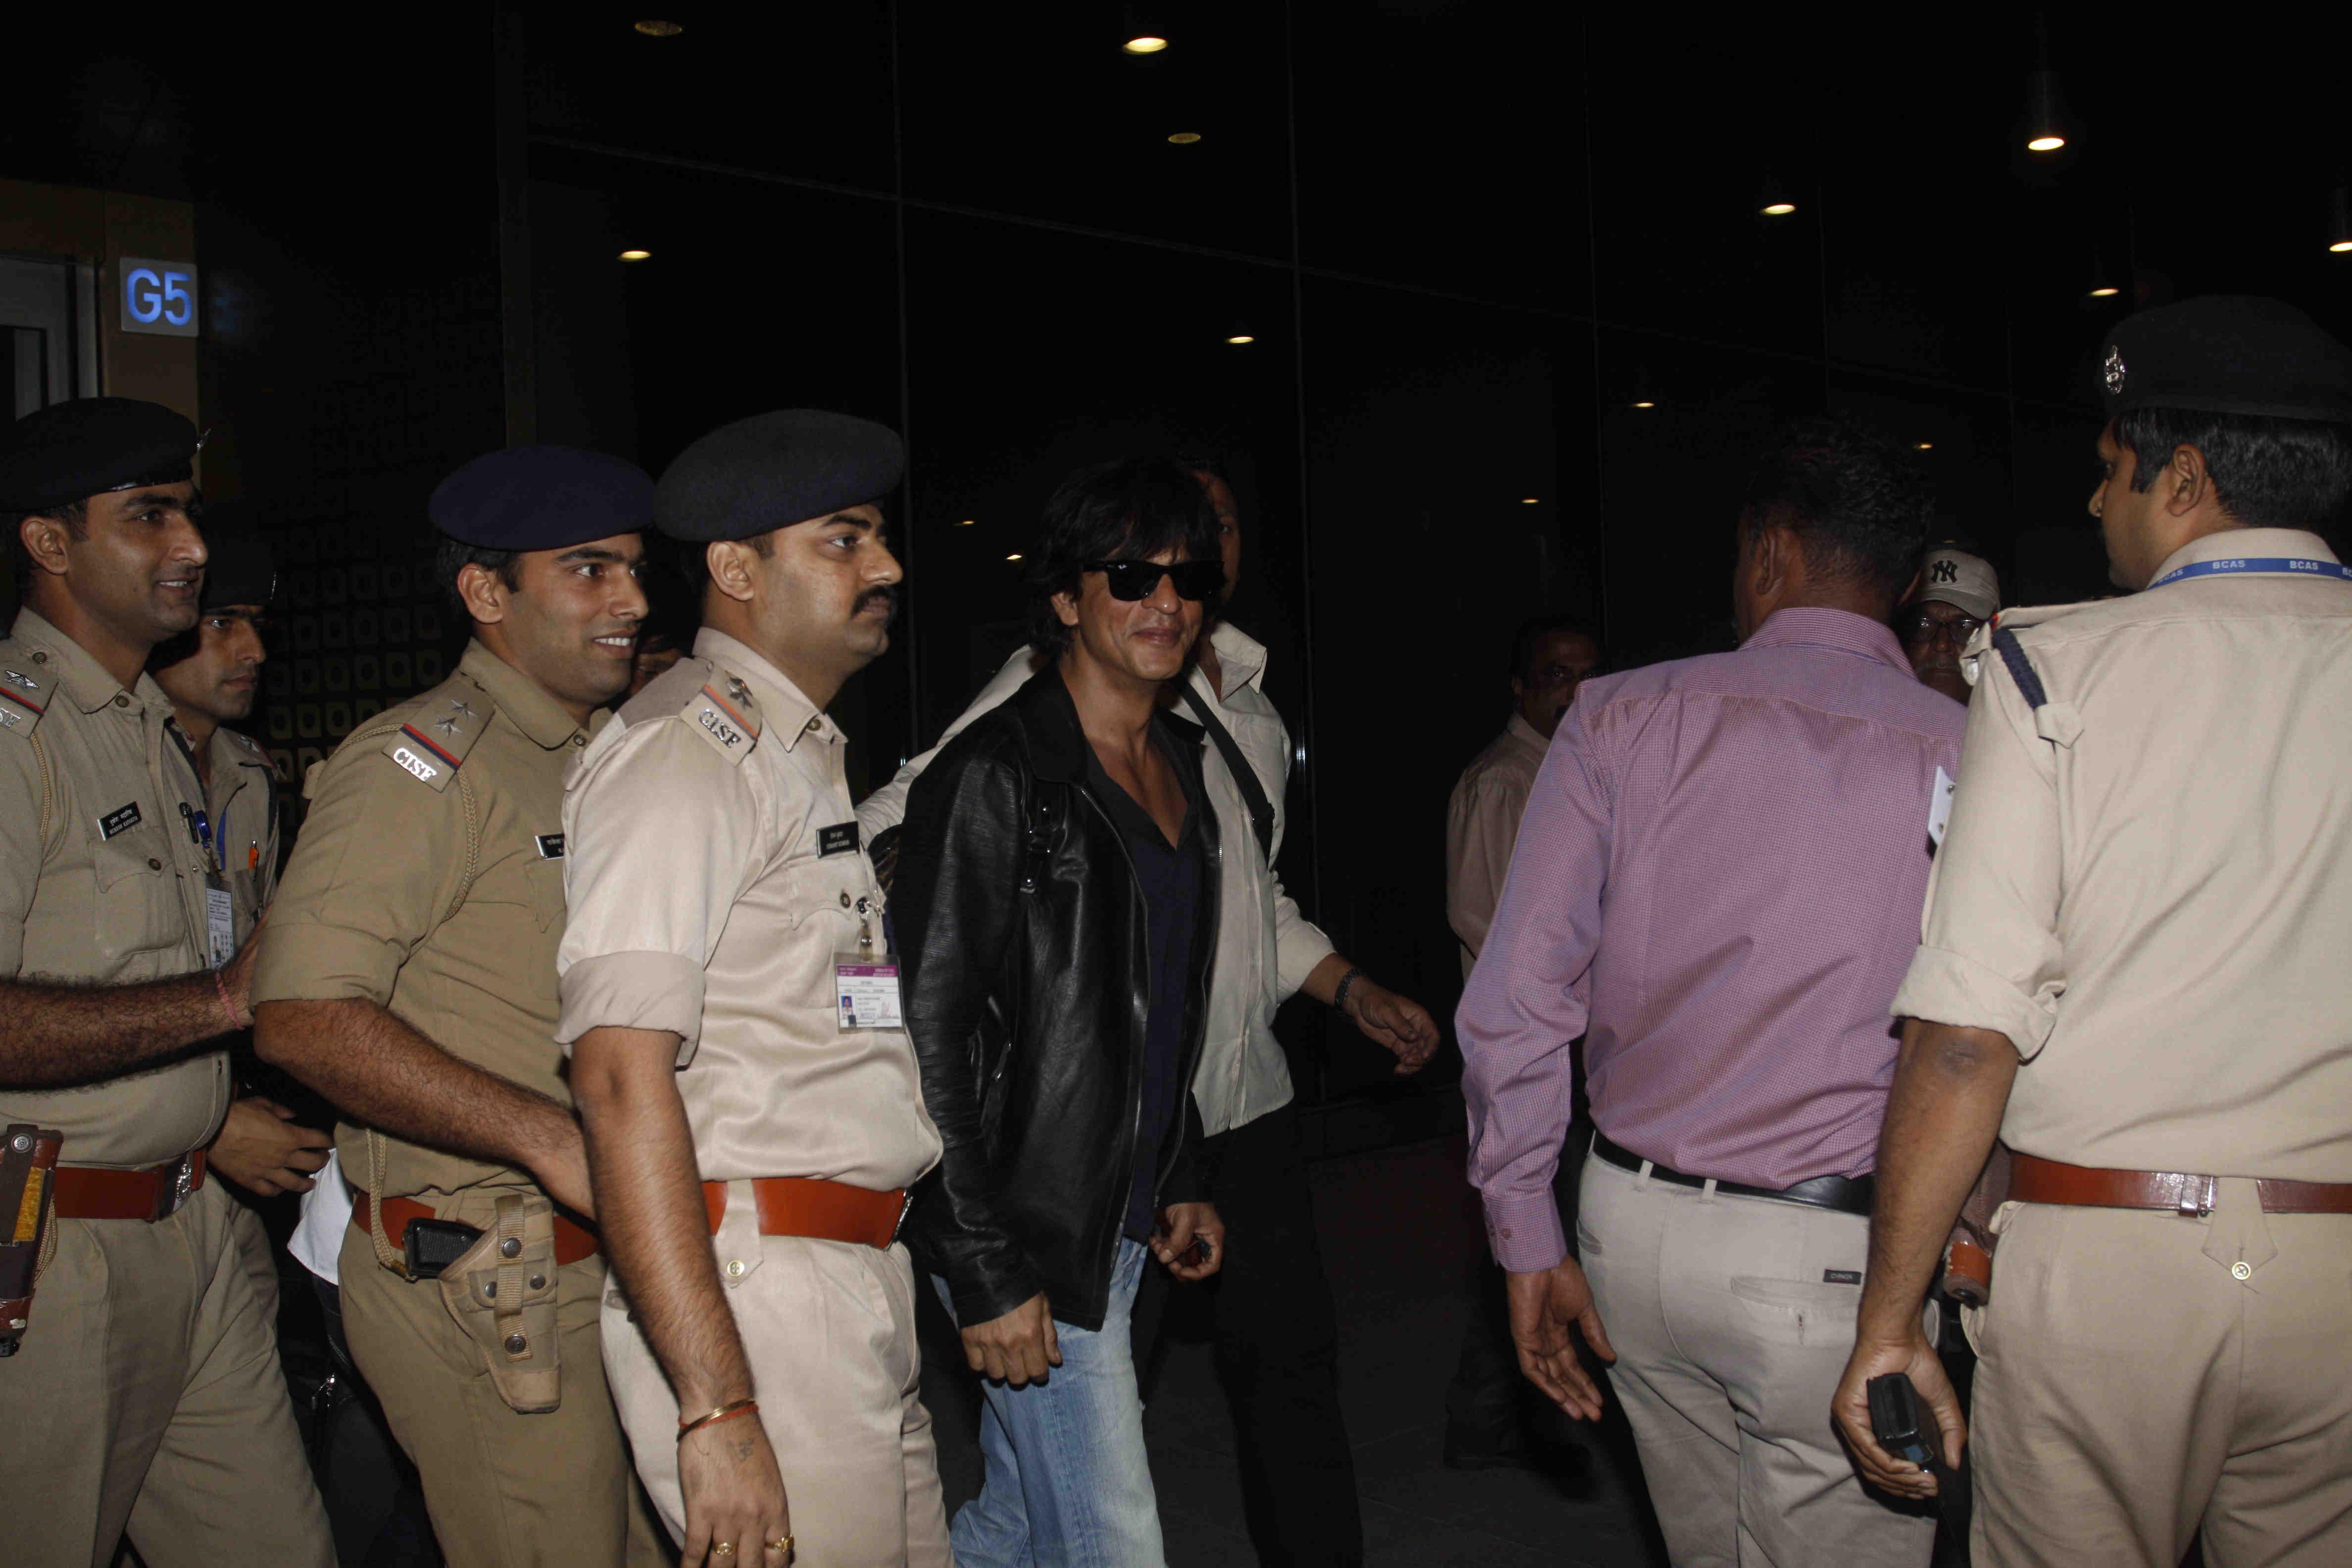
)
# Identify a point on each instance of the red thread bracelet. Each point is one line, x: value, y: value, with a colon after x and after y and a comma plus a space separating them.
x: 237, y: 1018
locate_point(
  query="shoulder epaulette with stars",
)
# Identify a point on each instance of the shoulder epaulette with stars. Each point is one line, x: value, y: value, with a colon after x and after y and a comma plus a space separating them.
x: 724, y: 712
x: 432, y: 745
x: 26, y: 688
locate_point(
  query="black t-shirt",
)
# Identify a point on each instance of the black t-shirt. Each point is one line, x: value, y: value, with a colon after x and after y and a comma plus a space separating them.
x: 1171, y: 877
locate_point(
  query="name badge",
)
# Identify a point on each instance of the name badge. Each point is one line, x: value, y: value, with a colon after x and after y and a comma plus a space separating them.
x: 866, y: 989
x: 841, y: 839
x: 551, y: 846
x: 220, y: 921
x: 121, y: 819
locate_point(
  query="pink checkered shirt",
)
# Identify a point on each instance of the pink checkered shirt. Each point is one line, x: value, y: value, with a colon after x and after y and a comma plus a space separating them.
x: 1717, y: 882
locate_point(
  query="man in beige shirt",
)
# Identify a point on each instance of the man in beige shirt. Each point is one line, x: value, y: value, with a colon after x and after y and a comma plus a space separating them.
x: 1551, y: 657
x: 144, y: 1396
x: 753, y: 1113
x: 407, y: 973
x: 2133, y: 971
x: 212, y: 674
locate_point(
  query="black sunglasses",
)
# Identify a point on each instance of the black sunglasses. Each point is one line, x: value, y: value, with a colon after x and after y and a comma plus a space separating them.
x: 1133, y: 580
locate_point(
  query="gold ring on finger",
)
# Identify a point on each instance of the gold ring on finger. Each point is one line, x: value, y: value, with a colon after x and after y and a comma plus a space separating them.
x: 723, y: 1549
x: 784, y: 1546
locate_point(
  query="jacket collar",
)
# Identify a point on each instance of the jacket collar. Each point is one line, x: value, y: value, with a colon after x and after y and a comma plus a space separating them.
x: 1057, y: 746
x: 1842, y: 631
x: 1240, y: 657
x: 82, y: 678
x: 520, y: 698
x: 2231, y: 543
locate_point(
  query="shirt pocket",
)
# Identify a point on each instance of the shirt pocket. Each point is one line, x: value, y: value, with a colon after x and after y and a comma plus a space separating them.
x: 135, y: 900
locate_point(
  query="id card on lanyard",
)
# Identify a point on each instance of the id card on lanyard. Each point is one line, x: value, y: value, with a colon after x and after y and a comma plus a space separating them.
x: 866, y: 982
x: 2284, y: 565
x: 220, y: 908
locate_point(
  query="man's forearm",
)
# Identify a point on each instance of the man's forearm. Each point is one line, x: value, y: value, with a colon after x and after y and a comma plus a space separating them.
x: 379, y: 1071
x: 1323, y: 980
x: 1952, y: 1085
x: 59, y: 1035
x: 650, y: 1205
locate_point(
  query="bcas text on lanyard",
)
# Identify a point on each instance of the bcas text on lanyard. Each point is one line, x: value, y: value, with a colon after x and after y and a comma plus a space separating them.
x: 2290, y: 565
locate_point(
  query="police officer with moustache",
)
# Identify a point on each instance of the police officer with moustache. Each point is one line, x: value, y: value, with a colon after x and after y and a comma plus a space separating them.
x: 2133, y: 972
x: 145, y: 1395
x: 407, y: 973
x: 753, y: 1113
x: 212, y: 674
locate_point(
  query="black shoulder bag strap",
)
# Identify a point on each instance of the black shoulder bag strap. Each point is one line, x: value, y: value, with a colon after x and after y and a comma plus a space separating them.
x: 1261, y: 809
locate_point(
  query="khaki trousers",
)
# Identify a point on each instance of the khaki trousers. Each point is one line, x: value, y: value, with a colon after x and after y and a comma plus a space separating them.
x: 830, y: 1330
x: 148, y: 1399
x: 2130, y: 1385
x: 1729, y: 1344
x: 503, y: 1490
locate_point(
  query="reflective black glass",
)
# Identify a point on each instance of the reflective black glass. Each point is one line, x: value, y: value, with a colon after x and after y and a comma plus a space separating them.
x: 1132, y: 580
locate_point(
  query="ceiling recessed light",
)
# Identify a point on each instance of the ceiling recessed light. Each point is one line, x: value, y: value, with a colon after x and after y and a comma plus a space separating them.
x: 660, y: 29
x: 2340, y: 246
x: 1015, y: 556
x: 2045, y: 144
x: 1644, y: 403
x: 1239, y: 338
x: 2106, y: 291
x: 1531, y: 500
x: 1779, y: 209
x: 636, y: 256
x: 967, y: 522
x: 1144, y: 44
x: 1927, y: 445
x: 1184, y: 138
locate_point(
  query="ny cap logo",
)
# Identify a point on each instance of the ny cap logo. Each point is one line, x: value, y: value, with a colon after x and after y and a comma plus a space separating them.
x: 1944, y: 571
x: 2114, y: 373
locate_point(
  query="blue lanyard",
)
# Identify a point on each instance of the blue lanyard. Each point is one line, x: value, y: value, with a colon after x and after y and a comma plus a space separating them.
x: 2295, y: 566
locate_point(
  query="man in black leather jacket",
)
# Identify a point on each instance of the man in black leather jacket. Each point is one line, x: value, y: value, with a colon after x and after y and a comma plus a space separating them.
x: 1057, y: 903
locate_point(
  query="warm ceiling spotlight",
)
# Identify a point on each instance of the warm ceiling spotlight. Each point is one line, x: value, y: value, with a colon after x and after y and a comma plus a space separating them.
x: 1237, y: 338
x: 1644, y: 403
x: 967, y: 522
x: 1144, y: 44
x: 2339, y: 221
x: 660, y: 29
x: 2050, y: 144
x: 1184, y: 138
x: 1530, y: 501
x: 636, y: 256
x: 1926, y: 445
x: 1015, y: 556
x: 1779, y: 209
x: 2106, y: 291
x: 2045, y: 122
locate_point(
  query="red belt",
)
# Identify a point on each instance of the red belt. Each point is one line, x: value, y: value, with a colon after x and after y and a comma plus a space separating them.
x: 574, y: 1241
x: 89, y: 1192
x: 2033, y: 1181
x: 823, y: 1211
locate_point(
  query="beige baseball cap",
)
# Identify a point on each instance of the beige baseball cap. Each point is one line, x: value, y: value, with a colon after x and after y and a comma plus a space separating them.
x: 1956, y: 578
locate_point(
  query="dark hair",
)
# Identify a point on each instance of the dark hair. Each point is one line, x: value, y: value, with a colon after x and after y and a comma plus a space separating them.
x: 2267, y: 472
x: 1858, y: 504
x: 74, y: 514
x: 1134, y: 507
x: 454, y: 555
x: 1531, y: 632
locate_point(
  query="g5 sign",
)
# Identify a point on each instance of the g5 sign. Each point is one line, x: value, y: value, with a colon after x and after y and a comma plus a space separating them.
x: 159, y: 296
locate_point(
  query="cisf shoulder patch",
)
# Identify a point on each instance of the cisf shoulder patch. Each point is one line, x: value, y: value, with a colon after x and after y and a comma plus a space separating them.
x: 725, y: 713
x: 432, y: 745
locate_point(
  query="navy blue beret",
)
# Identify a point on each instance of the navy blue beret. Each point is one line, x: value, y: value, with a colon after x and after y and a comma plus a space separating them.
x: 542, y: 498
x: 73, y: 450
x: 773, y: 470
x: 2227, y: 353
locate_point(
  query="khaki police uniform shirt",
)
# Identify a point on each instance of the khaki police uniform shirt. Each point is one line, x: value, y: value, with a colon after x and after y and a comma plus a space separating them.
x: 1482, y: 823
x: 101, y: 882
x: 429, y: 879
x: 715, y: 872
x: 2148, y: 884
x: 242, y: 805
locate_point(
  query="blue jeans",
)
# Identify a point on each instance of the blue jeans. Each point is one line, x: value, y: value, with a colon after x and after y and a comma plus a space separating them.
x: 1069, y: 1484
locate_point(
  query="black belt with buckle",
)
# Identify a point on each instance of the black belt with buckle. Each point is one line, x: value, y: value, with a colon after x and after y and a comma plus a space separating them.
x: 1846, y: 1195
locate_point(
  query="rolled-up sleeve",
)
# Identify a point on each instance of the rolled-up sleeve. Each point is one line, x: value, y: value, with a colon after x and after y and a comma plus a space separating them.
x: 1526, y: 1000
x: 661, y: 835
x: 1990, y: 956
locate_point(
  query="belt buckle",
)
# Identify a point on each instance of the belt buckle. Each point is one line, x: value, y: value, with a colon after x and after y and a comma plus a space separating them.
x: 170, y: 1197
x: 2197, y: 1196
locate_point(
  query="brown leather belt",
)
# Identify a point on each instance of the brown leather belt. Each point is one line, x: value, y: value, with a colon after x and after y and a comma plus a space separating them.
x: 2033, y: 1181
x: 88, y: 1192
x: 823, y: 1211
x: 574, y: 1241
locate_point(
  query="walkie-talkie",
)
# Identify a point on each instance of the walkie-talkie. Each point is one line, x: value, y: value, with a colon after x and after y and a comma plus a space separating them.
x: 1896, y: 1420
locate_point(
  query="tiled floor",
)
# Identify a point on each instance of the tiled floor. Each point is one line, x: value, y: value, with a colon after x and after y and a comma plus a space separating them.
x: 1397, y: 1229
